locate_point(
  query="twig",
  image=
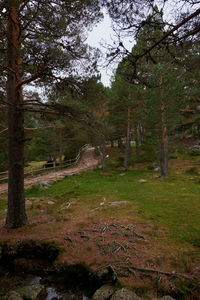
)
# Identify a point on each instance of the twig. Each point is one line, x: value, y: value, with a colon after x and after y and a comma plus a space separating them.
x: 3, y: 130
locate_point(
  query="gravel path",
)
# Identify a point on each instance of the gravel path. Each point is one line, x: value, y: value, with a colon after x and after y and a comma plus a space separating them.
x: 87, y: 161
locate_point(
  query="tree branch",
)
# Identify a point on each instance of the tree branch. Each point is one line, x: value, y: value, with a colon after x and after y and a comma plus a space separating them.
x: 190, y: 17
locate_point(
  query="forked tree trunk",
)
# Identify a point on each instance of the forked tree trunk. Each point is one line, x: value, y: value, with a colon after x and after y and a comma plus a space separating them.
x: 127, y: 158
x: 16, y: 214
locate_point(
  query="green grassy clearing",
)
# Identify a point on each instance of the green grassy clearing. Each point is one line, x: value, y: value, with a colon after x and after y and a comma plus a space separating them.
x: 172, y: 202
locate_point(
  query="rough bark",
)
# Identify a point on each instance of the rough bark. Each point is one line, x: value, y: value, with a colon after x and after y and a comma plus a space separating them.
x: 60, y: 147
x: 103, y: 156
x: 164, y: 145
x: 54, y: 147
x: 127, y: 157
x: 16, y: 214
x: 137, y: 148
x: 119, y: 143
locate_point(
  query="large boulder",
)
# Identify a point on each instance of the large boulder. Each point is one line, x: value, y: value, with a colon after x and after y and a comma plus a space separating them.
x: 30, y: 292
x: 104, y: 293
x: 12, y: 295
x: 125, y: 294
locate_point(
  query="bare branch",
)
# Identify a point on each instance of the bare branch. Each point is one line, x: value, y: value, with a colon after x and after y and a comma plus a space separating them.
x: 3, y: 130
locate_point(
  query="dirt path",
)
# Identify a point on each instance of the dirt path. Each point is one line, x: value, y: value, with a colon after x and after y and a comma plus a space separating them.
x: 87, y: 161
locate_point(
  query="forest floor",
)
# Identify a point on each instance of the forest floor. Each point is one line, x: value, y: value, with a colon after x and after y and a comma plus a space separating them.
x: 87, y: 161
x: 147, y: 232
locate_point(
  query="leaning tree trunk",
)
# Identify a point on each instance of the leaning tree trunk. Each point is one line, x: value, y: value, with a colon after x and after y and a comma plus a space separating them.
x: 127, y: 158
x: 164, y: 145
x: 16, y: 214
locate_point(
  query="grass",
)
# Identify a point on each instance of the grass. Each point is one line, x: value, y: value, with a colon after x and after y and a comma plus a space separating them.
x: 3, y: 204
x: 169, y: 205
x: 172, y: 202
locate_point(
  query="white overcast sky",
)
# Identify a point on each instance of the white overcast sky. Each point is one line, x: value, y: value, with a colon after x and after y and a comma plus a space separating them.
x: 101, y: 33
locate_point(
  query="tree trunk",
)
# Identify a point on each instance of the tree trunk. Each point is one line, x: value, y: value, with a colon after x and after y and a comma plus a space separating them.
x: 60, y: 147
x: 127, y: 158
x: 54, y: 148
x: 16, y: 213
x: 112, y: 144
x: 119, y: 143
x: 137, y: 148
x: 164, y: 146
x: 103, y: 156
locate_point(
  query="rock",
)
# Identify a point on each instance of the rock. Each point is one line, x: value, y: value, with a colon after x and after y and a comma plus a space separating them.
x: 195, y: 148
x: 167, y: 298
x: 125, y: 294
x: 142, y: 181
x: 156, y: 169
x: 122, y: 174
x: 53, y: 294
x: 155, y: 176
x: 51, y: 202
x: 106, y: 275
x: 12, y: 295
x: 40, y: 184
x: 104, y: 293
x: 30, y: 292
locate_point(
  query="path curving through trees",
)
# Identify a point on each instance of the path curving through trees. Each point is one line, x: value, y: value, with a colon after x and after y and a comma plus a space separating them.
x: 88, y: 161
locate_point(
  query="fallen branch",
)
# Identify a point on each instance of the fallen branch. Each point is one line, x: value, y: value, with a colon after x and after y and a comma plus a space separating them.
x: 132, y: 269
x: 3, y: 130
x: 169, y: 274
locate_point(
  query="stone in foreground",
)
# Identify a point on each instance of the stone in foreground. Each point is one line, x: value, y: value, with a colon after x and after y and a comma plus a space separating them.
x: 125, y: 294
x: 104, y: 293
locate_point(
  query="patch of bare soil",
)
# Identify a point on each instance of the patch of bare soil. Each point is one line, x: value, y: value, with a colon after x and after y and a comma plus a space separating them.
x: 135, y: 251
x: 87, y: 161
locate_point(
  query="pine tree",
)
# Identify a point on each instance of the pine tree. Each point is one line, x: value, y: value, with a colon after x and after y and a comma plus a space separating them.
x: 38, y: 41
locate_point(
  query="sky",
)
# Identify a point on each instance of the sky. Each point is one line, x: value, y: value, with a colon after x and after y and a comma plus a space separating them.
x: 102, y: 33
